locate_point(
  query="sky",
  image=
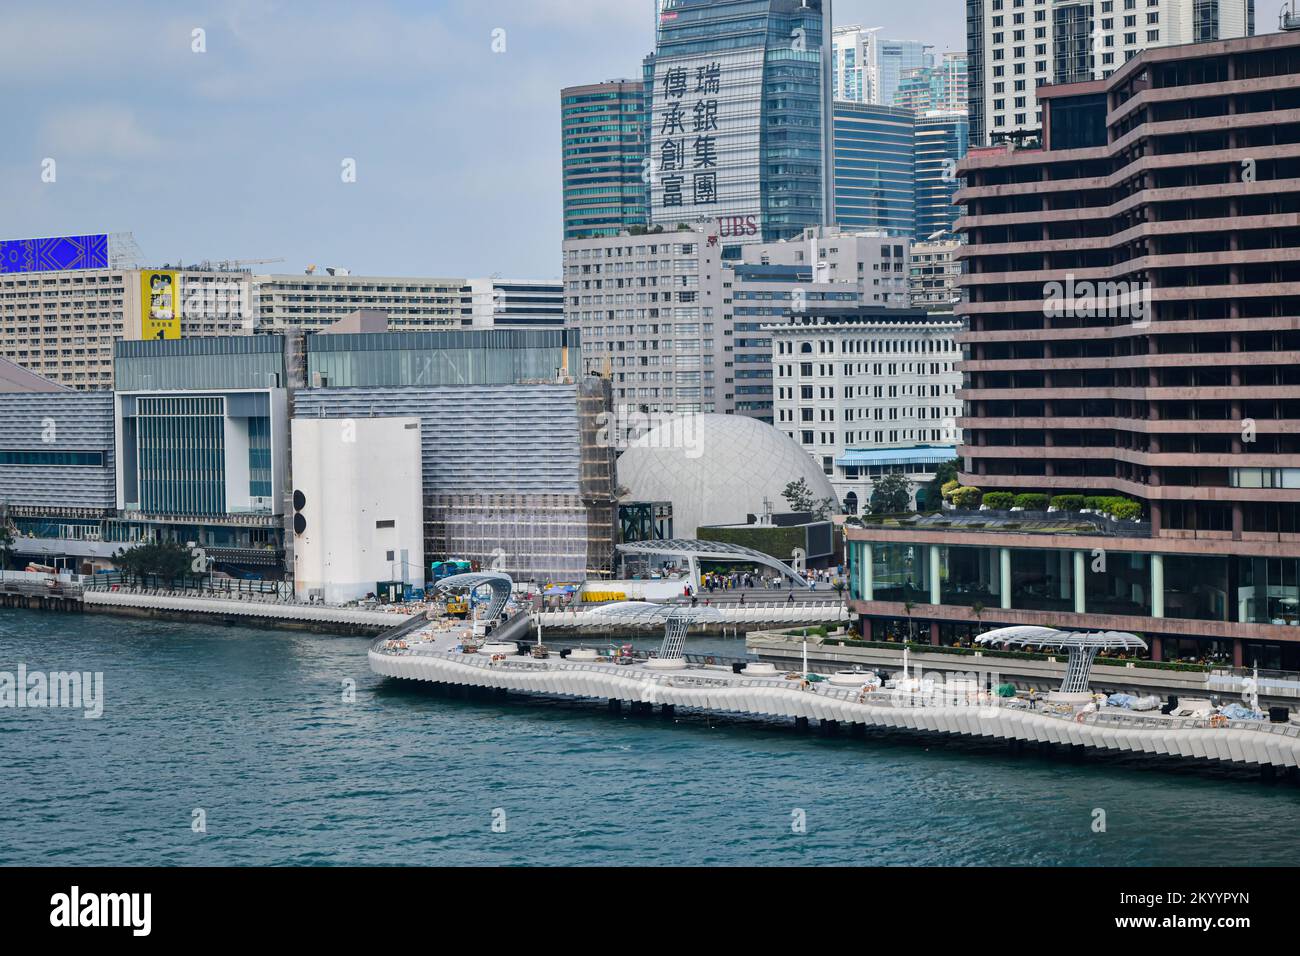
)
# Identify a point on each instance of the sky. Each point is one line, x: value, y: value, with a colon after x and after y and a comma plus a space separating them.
x: 238, y: 151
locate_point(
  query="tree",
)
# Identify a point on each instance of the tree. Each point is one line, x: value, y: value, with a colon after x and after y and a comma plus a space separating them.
x: 908, y: 606
x: 798, y: 496
x: 891, y: 495
x: 933, y: 491
x: 6, y: 544
x: 167, y: 560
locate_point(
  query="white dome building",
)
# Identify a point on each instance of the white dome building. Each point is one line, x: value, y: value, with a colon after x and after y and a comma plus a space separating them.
x: 717, y: 469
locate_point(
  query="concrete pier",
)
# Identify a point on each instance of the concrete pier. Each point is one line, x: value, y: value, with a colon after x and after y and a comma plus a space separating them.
x: 716, y: 689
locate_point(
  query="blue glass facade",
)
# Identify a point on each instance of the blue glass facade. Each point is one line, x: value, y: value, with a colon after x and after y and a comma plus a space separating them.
x: 874, y: 168
x: 896, y: 58
x: 603, y: 128
x: 941, y: 142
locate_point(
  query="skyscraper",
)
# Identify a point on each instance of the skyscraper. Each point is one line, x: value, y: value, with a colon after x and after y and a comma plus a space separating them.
x: 897, y: 58
x: 941, y: 87
x: 1016, y: 46
x: 741, y: 94
x: 855, y: 57
x: 942, y: 137
x: 874, y: 168
x: 603, y: 133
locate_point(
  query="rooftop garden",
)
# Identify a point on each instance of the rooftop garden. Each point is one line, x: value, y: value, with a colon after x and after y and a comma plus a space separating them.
x: 971, y: 509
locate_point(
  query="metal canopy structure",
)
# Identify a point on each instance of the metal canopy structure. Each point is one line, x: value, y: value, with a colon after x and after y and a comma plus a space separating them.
x: 1082, y: 648
x: 676, y: 619
x: 695, y: 551
x: 501, y: 585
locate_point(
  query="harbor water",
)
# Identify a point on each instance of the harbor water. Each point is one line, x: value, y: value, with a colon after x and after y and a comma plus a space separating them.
x: 221, y: 745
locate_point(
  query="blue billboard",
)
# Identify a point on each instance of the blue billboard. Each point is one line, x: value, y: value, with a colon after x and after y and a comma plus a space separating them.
x: 51, y: 255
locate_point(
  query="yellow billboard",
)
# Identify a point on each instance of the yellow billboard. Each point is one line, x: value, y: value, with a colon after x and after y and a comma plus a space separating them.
x: 160, y: 299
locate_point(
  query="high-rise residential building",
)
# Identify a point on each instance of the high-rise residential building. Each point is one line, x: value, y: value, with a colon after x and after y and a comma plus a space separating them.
x: 739, y: 106
x: 897, y: 59
x: 875, y: 168
x: 62, y: 324
x: 942, y: 138
x: 1131, y: 297
x: 1014, y: 47
x: 603, y: 130
x: 866, y: 392
x: 651, y: 312
x: 941, y: 87
x: 855, y: 54
x: 320, y: 299
x: 676, y: 328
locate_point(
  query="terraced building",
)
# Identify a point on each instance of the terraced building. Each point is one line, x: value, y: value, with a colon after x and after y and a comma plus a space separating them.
x: 1133, y: 298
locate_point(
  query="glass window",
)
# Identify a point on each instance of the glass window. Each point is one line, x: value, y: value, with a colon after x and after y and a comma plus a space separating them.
x: 1117, y: 584
x: 900, y: 572
x: 1196, y: 587
x: 970, y: 576
x: 1042, y: 580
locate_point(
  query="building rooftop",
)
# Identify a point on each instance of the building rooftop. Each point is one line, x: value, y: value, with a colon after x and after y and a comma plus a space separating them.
x: 15, y: 378
x: 897, y: 456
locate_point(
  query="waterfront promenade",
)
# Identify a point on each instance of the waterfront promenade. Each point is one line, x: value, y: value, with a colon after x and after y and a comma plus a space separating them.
x: 437, y: 658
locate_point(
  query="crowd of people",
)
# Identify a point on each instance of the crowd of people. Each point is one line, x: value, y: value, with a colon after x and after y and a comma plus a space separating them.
x: 716, y: 581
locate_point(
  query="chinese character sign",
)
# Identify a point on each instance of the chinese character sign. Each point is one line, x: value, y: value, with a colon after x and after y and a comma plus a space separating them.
x: 705, y: 151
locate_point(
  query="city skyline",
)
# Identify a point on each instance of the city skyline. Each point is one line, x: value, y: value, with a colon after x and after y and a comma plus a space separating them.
x: 140, y: 127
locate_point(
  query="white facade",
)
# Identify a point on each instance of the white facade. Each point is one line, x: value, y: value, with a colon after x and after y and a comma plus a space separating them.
x: 654, y: 318
x: 875, y: 263
x: 856, y: 64
x: 677, y: 330
x: 315, y: 301
x: 362, y: 514
x: 512, y: 303
x: 717, y: 469
x: 682, y: 188
x: 1026, y: 43
x: 868, y: 382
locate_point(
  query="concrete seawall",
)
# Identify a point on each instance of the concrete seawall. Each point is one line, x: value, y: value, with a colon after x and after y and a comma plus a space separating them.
x: 306, y: 617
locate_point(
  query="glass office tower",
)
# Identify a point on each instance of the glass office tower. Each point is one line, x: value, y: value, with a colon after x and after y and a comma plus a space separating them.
x: 874, y: 168
x: 603, y: 127
x: 741, y: 89
x: 942, y: 138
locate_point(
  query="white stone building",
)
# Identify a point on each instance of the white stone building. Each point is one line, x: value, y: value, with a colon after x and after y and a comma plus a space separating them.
x: 867, y: 380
